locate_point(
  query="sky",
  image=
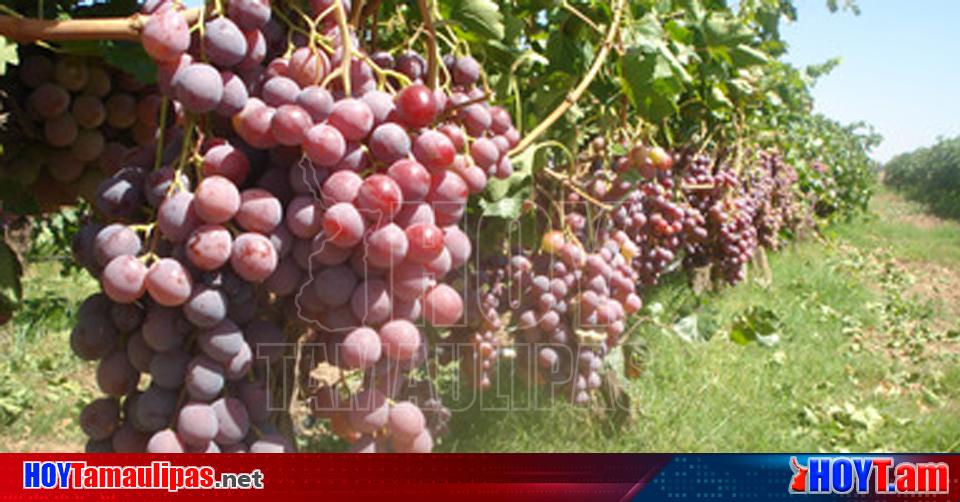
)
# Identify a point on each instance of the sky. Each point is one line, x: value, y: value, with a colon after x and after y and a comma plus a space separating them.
x: 900, y: 68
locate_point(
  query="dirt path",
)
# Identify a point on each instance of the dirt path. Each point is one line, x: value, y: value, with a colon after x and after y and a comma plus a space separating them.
x: 935, y: 277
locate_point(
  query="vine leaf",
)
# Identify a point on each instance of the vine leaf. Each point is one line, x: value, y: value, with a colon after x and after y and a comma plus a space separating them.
x: 482, y: 17
x: 8, y: 54
x: 757, y: 324
x: 131, y: 58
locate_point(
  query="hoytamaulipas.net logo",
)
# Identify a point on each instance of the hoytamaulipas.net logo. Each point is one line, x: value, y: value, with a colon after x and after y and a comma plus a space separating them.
x: 868, y: 475
x: 158, y: 475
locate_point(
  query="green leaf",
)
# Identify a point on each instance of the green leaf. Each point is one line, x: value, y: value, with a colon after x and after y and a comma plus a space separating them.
x: 480, y: 16
x: 507, y: 208
x: 743, y: 56
x: 11, y: 291
x: 687, y: 329
x: 757, y: 324
x: 131, y: 58
x: 649, y: 82
x: 8, y: 54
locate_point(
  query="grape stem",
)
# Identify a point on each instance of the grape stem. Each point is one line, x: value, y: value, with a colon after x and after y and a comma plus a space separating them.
x: 28, y: 30
x: 562, y: 178
x: 431, y: 44
x: 346, y: 47
x: 580, y: 89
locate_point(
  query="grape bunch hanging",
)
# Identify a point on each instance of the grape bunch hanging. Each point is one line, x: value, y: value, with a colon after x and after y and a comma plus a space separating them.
x: 299, y: 188
x: 74, y: 121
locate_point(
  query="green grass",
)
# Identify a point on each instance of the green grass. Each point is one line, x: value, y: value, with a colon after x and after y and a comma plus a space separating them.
x: 43, y: 386
x: 853, y: 370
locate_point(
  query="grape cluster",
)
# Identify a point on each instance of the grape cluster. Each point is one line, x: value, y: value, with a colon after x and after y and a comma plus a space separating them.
x: 206, y: 390
x: 78, y: 119
x: 289, y: 199
x: 569, y: 308
x: 773, y: 186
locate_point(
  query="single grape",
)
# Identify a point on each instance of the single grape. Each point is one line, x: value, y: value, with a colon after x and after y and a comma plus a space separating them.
x: 165, y: 35
x: 35, y: 70
x: 126, y: 317
x: 88, y: 111
x: 290, y: 124
x: 61, y: 131
x: 252, y: 124
x: 381, y: 104
x: 281, y: 90
x: 206, y: 307
x: 233, y: 421
x: 72, y: 73
x: 308, y: 66
x: 389, y: 143
x: 113, y: 241
x: 400, y: 339
x: 49, y: 100
x: 199, y: 88
x: 165, y: 441
x: 88, y: 145
x: 425, y: 241
x: 333, y: 286
x: 386, y: 246
x: 353, y: 118
x: 434, y: 150
x: 124, y: 279
x: 410, y: 281
x: 127, y: 439
x: 177, y: 216
x: 417, y: 105
x: 317, y: 101
x: 116, y: 376
x: 343, y: 225
x: 249, y: 14
x: 168, y: 282
x: 98, y: 84
x: 324, y: 145
x: 216, y: 200
x: 360, y: 349
x: 223, y: 42
x: 235, y: 94
x: 370, y: 302
x: 121, y: 111
x: 442, y: 306
x: 286, y: 279
x: 100, y: 418
x: 466, y: 71
x: 413, y: 178
x: 413, y: 213
x: 484, y: 153
x: 197, y: 424
x: 154, y: 408
x: 341, y: 186
x: 304, y: 217
x: 406, y: 421
x: 379, y: 198
x: 254, y: 257
x: 259, y: 211
x: 223, y: 159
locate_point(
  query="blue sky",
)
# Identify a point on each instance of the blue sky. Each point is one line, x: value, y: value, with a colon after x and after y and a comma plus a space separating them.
x: 900, y: 70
